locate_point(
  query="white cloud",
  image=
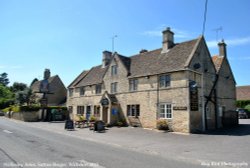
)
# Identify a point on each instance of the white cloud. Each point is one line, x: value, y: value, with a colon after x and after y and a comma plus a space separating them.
x: 157, y: 32
x: 230, y: 42
x: 2, y: 66
x: 11, y: 67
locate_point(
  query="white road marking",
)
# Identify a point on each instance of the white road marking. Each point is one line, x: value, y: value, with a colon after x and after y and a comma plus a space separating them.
x: 8, y: 132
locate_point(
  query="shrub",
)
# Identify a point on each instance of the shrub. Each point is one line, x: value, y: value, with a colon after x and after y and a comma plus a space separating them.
x: 29, y: 108
x: 92, y: 118
x: 247, y: 108
x: 12, y: 108
x: 242, y: 103
x: 162, y: 124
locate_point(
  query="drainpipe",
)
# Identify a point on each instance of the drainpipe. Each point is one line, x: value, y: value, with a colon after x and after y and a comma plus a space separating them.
x: 157, y: 99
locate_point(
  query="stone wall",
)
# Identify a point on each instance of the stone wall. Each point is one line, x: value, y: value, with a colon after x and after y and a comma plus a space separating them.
x: 28, y: 116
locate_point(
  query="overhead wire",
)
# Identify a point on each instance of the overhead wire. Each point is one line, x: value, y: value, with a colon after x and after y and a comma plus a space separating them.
x: 205, y: 18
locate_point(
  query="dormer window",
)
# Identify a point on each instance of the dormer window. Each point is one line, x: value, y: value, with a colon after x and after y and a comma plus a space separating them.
x: 113, y: 70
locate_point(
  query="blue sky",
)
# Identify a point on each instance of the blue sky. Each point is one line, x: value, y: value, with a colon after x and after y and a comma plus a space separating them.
x: 68, y: 36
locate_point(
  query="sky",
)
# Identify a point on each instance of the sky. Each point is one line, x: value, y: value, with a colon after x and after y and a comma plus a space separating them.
x: 69, y: 36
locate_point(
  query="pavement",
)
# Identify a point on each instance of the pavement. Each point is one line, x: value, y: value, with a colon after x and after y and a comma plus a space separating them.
x: 226, y: 146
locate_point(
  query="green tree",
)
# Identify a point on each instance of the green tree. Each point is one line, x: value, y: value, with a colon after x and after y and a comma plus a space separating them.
x: 23, y: 97
x: 18, y: 87
x: 4, y: 79
x: 6, y: 97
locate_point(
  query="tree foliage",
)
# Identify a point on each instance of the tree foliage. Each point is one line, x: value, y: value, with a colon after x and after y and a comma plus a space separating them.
x: 4, y: 80
x: 6, y: 97
x: 18, y: 87
x: 23, y: 97
x: 242, y: 103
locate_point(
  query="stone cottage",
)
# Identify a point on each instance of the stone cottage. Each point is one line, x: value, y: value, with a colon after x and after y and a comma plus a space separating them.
x: 179, y: 83
x: 57, y: 91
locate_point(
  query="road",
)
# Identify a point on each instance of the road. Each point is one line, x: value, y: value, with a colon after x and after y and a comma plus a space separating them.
x: 24, y: 146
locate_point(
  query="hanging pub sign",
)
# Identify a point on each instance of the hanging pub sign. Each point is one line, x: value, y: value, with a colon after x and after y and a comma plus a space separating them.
x: 194, y: 102
x: 105, y: 101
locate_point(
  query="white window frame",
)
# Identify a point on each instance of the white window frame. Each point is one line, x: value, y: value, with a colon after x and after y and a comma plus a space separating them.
x: 167, y: 110
x: 130, y: 110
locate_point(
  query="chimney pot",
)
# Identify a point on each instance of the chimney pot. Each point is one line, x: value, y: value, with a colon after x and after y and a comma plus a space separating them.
x: 222, y: 48
x: 106, y: 58
x: 46, y: 74
x: 168, y: 40
x: 143, y: 51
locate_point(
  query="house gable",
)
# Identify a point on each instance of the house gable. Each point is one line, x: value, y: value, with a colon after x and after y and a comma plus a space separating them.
x: 200, y: 59
x: 120, y: 78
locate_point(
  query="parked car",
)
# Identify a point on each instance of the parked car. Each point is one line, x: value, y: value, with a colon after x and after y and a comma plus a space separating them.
x: 242, y: 113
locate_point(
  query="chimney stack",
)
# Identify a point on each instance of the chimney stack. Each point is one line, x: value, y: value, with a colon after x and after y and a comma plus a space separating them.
x: 222, y: 48
x: 168, y: 40
x: 46, y: 74
x: 106, y: 58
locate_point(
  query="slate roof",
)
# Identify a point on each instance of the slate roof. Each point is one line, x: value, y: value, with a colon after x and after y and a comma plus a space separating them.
x: 217, y: 60
x: 35, y: 87
x: 78, y: 79
x: 243, y: 92
x: 94, y: 76
x: 144, y: 64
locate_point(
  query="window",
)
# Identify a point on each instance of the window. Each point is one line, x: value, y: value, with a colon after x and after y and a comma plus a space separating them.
x: 133, y: 110
x: 165, y: 81
x: 71, y: 92
x: 166, y: 111
x: 133, y: 84
x: 82, y: 91
x: 98, y: 89
x: 114, y: 87
x: 80, y: 110
x: 113, y: 70
x: 97, y: 111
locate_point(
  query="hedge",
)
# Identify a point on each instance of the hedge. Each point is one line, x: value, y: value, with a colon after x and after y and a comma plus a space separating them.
x: 242, y: 103
x: 31, y: 108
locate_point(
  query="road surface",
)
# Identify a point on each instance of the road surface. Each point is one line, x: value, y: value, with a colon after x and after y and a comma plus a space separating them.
x: 24, y: 146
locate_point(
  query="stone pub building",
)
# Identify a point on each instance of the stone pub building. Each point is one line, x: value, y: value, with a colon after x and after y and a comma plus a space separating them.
x: 179, y: 82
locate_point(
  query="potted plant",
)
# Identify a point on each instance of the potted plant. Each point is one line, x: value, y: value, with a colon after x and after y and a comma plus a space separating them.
x: 162, y: 124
